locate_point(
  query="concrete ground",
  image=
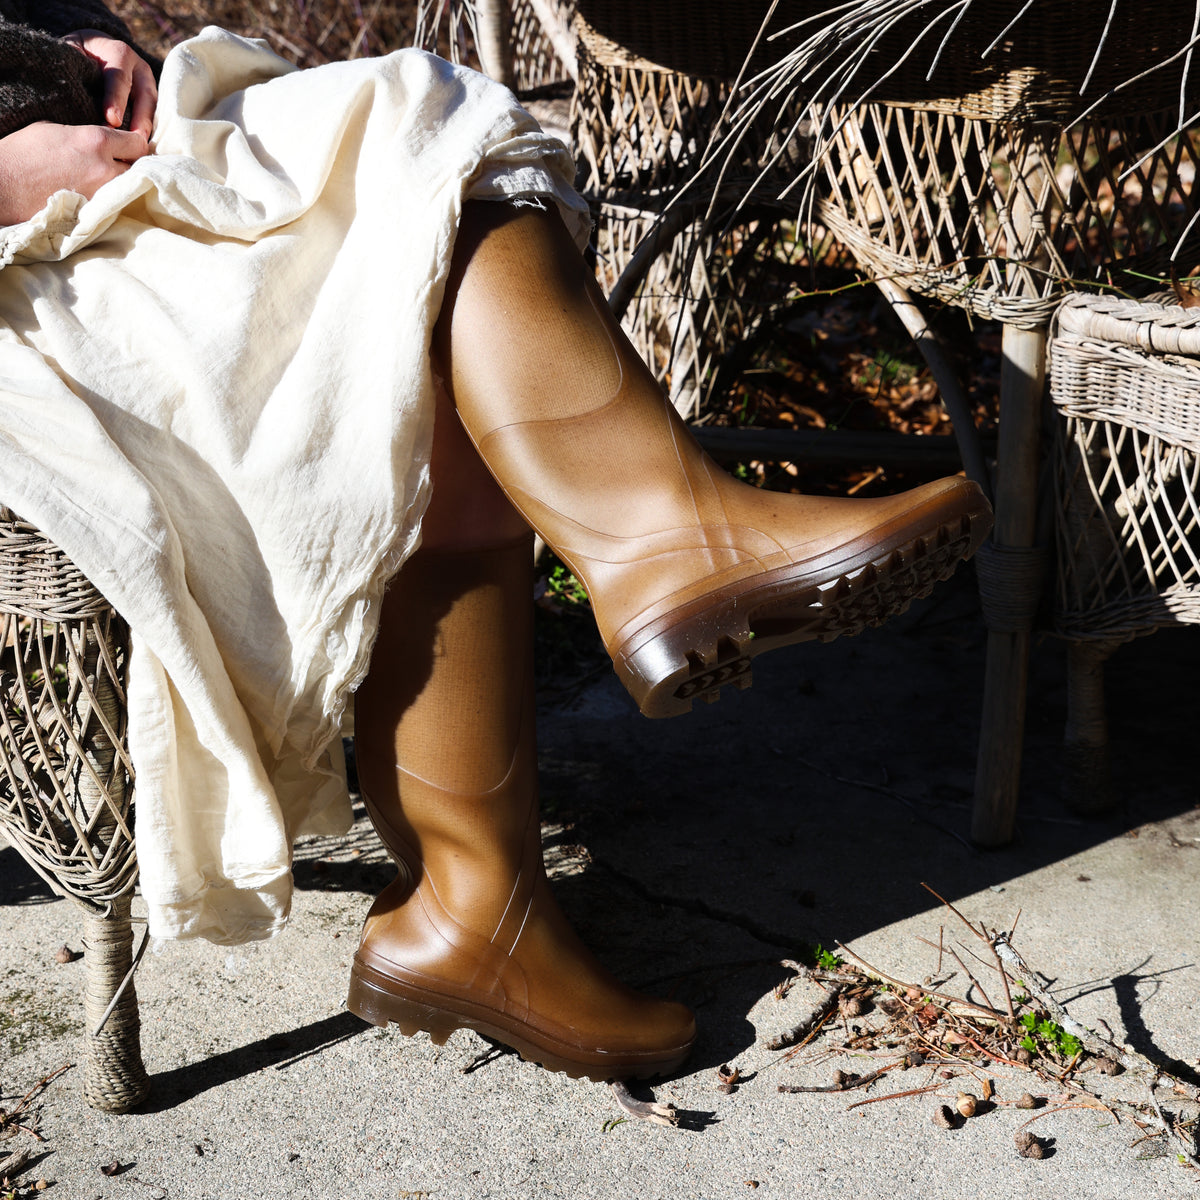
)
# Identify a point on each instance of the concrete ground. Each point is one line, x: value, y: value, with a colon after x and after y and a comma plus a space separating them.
x: 693, y: 855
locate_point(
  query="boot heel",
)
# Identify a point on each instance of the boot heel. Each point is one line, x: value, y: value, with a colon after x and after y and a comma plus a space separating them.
x: 378, y: 1006
x: 691, y: 661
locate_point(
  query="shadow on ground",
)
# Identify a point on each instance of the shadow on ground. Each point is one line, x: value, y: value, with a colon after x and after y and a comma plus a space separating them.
x: 695, y: 854
x: 811, y: 808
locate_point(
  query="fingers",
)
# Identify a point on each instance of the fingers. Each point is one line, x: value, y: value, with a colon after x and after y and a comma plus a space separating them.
x: 127, y: 78
x: 43, y: 158
x: 123, y: 147
x: 99, y: 155
x: 145, y: 98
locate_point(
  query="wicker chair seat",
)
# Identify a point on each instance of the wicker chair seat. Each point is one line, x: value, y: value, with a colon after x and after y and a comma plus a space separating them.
x: 1125, y: 385
x: 1125, y: 381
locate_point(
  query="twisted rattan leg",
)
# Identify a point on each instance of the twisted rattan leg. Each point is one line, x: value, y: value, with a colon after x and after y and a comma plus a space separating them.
x: 114, y: 1078
x: 1087, y: 778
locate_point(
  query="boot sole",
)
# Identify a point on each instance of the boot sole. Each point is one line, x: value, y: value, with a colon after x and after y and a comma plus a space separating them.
x: 382, y: 1000
x: 692, y: 653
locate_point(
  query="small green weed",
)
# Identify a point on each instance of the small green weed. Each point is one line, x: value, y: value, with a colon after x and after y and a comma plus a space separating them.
x: 563, y: 587
x: 59, y: 681
x: 827, y: 960
x: 1045, y: 1035
x: 888, y: 370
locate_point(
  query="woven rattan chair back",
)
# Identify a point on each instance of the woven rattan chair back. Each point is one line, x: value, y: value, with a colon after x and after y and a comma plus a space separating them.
x: 996, y: 172
x: 65, y: 779
x: 691, y: 283
x: 1000, y: 218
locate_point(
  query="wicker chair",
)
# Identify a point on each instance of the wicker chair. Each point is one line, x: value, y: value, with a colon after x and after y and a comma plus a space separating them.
x: 1125, y: 384
x: 982, y: 181
x: 66, y: 790
x: 976, y: 176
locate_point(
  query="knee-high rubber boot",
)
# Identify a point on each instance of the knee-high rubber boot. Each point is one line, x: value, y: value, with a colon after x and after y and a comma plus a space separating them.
x: 691, y: 573
x: 470, y: 935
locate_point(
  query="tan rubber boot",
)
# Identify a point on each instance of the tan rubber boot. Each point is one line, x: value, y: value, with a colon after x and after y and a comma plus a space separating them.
x: 690, y: 572
x: 469, y: 935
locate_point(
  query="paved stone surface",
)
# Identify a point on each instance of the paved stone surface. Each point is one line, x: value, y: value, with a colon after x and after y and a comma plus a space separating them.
x: 693, y: 855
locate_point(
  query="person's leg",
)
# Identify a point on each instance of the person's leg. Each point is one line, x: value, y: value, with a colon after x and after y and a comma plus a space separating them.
x: 690, y: 572
x: 470, y: 934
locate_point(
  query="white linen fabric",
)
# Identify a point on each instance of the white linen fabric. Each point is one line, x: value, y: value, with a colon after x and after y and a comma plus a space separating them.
x: 216, y: 396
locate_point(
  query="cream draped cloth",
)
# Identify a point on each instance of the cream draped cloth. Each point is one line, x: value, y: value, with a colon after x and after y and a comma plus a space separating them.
x: 216, y: 396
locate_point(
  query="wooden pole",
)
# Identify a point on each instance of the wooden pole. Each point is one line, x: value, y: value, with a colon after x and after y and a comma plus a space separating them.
x: 494, y: 26
x: 1002, y: 731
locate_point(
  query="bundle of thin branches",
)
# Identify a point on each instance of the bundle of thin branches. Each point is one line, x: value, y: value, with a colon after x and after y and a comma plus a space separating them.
x: 1008, y: 60
x: 1023, y: 1027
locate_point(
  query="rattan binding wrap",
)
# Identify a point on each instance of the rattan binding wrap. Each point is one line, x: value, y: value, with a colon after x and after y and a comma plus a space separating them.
x: 66, y: 789
x: 1126, y: 378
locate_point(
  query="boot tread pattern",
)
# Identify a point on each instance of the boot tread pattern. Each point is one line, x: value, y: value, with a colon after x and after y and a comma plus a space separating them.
x: 382, y: 1006
x: 842, y: 606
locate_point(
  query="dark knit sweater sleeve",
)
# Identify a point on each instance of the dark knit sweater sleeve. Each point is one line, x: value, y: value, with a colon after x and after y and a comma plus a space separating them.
x: 42, y: 78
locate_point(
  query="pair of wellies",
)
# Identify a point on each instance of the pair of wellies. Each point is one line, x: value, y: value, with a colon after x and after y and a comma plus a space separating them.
x: 690, y: 573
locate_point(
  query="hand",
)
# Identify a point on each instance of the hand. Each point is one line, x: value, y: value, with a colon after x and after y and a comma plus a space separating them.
x: 43, y: 158
x: 126, y: 76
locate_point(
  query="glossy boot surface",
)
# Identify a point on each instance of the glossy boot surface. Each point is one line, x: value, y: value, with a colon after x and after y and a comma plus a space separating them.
x: 691, y: 573
x: 470, y: 935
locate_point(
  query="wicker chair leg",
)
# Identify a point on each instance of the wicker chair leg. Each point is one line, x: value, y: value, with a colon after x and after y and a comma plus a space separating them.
x: 1002, y: 726
x: 1087, y: 777
x: 114, y: 1078
x: 66, y: 789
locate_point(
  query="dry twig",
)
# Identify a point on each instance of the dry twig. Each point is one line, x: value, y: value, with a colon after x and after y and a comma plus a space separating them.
x: 643, y: 1110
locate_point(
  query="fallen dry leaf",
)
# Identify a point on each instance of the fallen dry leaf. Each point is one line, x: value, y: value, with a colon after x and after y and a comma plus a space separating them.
x: 1187, y: 298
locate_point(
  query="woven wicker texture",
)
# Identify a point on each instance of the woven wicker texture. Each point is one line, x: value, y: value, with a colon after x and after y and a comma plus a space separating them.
x: 988, y: 152
x: 707, y: 38
x: 691, y: 285
x: 66, y: 785
x: 1125, y: 376
x: 456, y: 28
x: 692, y: 280
x: 1002, y: 218
x: 542, y: 48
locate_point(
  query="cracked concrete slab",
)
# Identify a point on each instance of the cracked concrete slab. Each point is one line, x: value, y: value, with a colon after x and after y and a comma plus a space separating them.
x: 694, y: 855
